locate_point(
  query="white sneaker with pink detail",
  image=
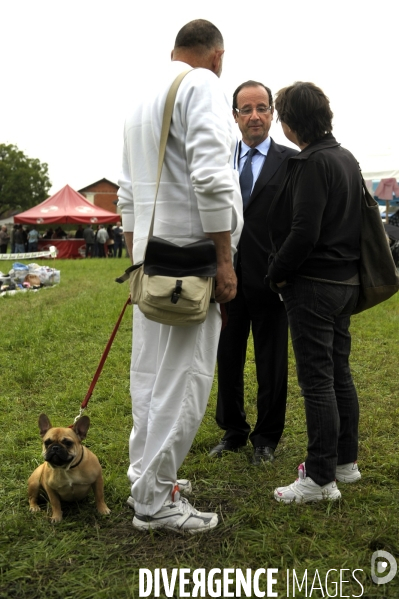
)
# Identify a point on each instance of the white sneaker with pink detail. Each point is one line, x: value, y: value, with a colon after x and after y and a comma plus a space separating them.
x: 304, y: 489
x: 348, y: 473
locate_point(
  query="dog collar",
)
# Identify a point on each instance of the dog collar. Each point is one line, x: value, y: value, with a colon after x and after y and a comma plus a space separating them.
x: 77, y: 463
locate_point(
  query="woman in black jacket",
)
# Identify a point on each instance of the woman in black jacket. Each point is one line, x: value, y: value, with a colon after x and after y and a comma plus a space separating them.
x: 314, y: 225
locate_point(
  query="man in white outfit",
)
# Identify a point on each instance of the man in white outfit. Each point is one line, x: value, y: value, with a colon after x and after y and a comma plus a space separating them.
x: 172, y: 368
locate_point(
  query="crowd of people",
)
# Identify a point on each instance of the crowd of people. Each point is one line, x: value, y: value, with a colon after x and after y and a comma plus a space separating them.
x: 103, y: 242
x: 100, y: 242
x: 21, y: 239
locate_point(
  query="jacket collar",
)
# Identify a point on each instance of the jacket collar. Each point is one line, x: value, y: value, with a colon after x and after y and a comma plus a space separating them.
x: 328, y: 141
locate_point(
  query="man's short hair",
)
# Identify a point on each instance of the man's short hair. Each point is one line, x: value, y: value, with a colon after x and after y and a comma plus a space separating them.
x: 251, y: 83
x: 199, y: 33
x: 305, y: 108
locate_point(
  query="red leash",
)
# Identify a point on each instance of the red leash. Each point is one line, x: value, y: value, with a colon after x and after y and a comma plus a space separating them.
x: 102, y: 361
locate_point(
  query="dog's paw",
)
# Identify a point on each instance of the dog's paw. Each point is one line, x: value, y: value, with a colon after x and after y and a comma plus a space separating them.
x: 56, y: 519
x: 104, y: 510
x: 34, y: 508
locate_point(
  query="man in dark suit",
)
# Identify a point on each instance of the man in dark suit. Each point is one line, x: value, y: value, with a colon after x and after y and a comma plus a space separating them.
x: 255, y: 305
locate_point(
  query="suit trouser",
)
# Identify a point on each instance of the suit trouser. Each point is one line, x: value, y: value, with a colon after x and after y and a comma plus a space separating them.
x: 117, y: 248
x: 171, y: 376
x: 265, y: 313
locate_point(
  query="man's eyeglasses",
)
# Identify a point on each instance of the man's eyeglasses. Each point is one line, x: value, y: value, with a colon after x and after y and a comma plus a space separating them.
x: 248, y: 111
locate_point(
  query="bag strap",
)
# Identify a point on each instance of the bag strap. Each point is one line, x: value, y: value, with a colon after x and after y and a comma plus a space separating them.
x: 366, y: 196
x: 167, y: 118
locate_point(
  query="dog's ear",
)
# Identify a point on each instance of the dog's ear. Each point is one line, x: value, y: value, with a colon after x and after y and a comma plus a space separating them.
x: 81, y: 427
x: 44, y: 424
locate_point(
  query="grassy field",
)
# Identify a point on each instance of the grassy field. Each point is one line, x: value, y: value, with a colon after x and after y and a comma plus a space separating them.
x: 51, y: 343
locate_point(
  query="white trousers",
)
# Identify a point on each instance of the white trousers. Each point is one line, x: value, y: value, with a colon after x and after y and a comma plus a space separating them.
x: 171, y: 376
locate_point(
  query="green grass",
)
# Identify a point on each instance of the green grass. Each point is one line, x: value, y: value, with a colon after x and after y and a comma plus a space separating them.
x: 51, y: 343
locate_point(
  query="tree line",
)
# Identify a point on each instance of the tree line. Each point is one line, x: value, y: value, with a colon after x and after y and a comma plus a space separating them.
x: 24, y: 181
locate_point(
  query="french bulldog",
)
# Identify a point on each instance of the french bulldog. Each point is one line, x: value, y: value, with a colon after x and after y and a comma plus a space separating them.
x: 70, y: 470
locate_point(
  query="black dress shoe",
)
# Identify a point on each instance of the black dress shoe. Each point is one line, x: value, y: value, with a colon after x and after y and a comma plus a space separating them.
x: 224, y: 445
x: 263, y: 454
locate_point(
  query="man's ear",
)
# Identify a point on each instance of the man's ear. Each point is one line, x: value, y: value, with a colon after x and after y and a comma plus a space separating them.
x: 217, y: 59
x: 234, y: 115
x: 272, y: 112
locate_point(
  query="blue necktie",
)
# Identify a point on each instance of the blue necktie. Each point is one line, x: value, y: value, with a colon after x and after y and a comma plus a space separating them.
x: 247, y: 178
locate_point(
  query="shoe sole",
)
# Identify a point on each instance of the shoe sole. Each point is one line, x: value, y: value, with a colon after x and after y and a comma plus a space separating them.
x: 261, y: 463
x: 219, y: 454
x: 158, y: 526
x: 330, y: 497
x: 348, y: 478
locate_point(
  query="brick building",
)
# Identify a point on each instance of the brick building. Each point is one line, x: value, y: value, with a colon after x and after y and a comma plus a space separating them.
x: 102, y: 193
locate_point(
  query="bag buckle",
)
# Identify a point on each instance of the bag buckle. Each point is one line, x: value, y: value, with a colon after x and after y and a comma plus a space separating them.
x: 176, y: 292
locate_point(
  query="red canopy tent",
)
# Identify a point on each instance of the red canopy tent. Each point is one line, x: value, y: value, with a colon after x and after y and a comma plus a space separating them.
x: 67, y: 206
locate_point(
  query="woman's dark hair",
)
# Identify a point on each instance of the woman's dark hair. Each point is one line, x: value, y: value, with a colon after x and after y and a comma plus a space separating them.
x: 305, y: 108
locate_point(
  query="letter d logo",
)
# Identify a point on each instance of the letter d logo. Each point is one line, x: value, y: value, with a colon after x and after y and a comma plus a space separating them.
x: 383, y: 559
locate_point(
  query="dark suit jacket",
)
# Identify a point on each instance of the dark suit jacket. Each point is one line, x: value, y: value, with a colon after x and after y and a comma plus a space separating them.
x: 255, y: 244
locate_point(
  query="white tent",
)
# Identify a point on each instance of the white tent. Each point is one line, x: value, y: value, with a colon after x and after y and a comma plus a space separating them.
x: 7, y: 221
x: 380, y: 166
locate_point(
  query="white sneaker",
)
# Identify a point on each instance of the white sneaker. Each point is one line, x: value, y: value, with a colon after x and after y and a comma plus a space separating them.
x: 184, y: 486
x: 348, y: 473
x: 179, y: 516
x: 305, y: 489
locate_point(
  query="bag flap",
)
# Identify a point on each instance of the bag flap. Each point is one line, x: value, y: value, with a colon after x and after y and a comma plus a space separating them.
x: 170, y: 260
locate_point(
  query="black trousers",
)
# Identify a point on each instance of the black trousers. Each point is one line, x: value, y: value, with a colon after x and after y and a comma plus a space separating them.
x: 319, y: 315
x: 89, y: 249
x: 264, y: 312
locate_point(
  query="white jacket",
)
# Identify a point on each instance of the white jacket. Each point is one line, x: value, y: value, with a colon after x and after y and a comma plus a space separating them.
x: 199, y: 190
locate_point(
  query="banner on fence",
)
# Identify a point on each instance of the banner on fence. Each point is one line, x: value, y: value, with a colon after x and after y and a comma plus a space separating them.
x: 50, y: 253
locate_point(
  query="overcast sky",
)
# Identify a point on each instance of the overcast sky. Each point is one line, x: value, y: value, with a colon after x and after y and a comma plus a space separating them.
x: 70, y: 70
